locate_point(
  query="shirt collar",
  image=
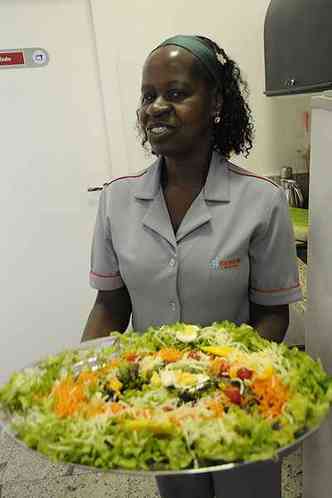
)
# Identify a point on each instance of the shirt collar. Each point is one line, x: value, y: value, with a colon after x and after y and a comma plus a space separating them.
x: 149, y: 183
x: 216, y: 188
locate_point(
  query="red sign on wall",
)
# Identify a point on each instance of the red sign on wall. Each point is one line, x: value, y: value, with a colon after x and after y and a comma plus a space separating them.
x: 11, y: 58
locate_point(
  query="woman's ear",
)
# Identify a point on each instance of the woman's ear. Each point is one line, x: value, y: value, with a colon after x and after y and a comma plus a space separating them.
x: 217, y: 103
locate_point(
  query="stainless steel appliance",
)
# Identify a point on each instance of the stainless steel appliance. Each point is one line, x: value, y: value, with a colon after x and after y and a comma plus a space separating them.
x: 292, y: 189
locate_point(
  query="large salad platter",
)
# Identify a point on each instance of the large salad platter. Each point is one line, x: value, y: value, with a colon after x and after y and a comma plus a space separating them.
x: 174, y: 400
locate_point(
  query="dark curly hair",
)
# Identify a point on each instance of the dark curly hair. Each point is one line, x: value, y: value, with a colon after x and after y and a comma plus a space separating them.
x: 235, y: 133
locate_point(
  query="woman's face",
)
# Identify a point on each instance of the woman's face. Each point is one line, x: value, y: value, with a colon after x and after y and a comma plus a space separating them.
x: 176, y: 104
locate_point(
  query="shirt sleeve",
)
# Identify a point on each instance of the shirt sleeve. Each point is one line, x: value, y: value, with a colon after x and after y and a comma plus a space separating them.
x: 104, y: 272
x: 274, y: 278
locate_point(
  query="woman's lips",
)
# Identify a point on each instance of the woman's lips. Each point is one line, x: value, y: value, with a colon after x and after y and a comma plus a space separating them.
x: 160, y: 131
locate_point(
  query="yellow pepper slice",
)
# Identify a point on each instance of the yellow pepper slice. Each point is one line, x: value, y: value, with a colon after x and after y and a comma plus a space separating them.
x: 218, y: 350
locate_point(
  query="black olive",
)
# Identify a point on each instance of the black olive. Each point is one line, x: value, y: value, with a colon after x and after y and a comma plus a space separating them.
x: 186, y: 396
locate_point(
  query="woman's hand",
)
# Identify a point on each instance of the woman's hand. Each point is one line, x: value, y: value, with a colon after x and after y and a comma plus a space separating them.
x: 270, y: 321
x: 111, y: 312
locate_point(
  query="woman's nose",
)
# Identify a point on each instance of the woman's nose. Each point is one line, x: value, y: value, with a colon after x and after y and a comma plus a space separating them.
x: 159, y: 106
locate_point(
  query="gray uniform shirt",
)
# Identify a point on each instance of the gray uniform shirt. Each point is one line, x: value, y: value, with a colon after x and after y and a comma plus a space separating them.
x: 234, y: 245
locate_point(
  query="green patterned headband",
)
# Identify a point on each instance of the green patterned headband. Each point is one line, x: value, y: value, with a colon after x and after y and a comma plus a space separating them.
x: 206, y: 55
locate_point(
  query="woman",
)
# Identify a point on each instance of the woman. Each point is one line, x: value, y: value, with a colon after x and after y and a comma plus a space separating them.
x: 195, y: 238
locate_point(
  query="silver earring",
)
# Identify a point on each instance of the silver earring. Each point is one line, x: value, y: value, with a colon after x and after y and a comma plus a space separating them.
x: 217, y: 119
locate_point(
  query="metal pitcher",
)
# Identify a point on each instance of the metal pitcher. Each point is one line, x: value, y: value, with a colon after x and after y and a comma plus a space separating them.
x: 293, y: 193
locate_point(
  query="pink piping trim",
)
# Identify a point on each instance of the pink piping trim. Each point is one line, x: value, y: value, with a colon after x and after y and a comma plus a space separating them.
x: 107, y: 275
x: 267, y: 291
x: 248, y: 173
x: 123, y: 178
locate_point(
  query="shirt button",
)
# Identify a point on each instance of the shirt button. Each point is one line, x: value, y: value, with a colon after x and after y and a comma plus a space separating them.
x: 172, y: 262
x: 173, y: 305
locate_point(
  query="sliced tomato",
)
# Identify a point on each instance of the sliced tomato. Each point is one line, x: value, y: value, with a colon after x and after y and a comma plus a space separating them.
x: 244, y: 373
x: 233, y: 394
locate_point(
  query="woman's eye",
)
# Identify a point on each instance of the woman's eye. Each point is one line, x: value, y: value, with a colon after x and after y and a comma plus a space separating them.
x: 176, y: 94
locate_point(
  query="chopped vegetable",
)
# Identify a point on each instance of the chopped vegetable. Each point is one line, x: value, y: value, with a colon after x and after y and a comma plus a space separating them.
x: 233, y: 394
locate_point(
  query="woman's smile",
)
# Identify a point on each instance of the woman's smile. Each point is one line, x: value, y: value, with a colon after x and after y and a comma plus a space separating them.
x: 157, y: 132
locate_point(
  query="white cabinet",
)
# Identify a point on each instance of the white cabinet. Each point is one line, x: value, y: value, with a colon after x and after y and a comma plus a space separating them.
x: 318, y: 450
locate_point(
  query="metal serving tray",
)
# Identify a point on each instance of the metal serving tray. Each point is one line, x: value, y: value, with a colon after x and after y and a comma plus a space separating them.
x: 5, y: 421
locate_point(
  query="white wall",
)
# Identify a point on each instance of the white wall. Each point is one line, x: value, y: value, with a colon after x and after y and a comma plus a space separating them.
x: 53, y: 146
x: 128, y: 30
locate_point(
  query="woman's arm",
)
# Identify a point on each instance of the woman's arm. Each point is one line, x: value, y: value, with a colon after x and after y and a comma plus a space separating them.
x: 110, y: 312
x: 270, y: 321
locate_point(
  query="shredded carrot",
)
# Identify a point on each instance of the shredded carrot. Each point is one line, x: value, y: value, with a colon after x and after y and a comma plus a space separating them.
x: 116, y: 408
x: 69, y: 397
x: 170, y: 355
x: 131, y: 356
x: 87, y: 378
x: 272, y: 395
x: 215, y: 407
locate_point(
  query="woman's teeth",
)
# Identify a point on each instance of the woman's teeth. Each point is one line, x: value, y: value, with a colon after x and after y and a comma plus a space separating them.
x: 159, y: 130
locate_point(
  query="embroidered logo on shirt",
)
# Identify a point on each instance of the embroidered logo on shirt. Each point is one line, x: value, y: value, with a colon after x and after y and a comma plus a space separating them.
x: 214, y: 264
x: 224, y: 264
